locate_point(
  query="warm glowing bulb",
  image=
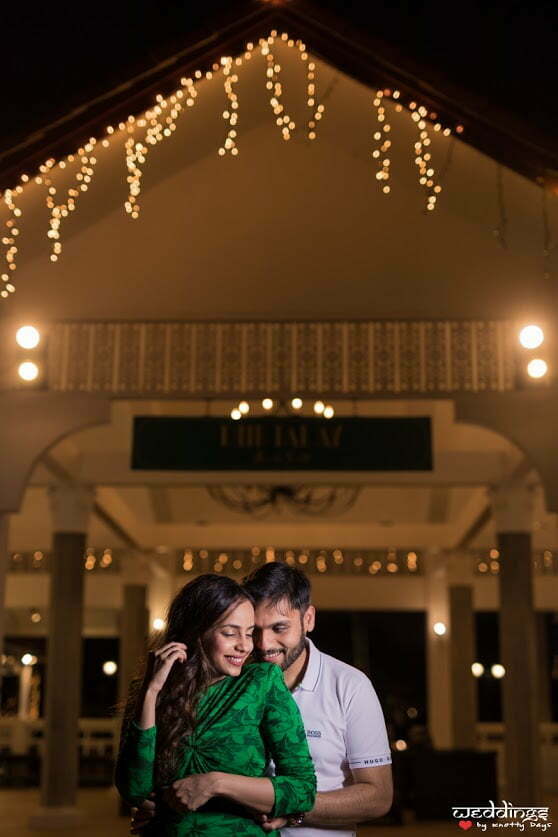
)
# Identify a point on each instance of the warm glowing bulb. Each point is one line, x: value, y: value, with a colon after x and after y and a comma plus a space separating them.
x: 319, y: 407
x: 328, y: 411
x: 537, y: 368
x: 110, y: 667
x: 477, y: 669
x: 497, y: 671
x: 244, y: 407
x: 531, y: 336
x: 400, y: 745
x: 267, y: 403
x: 236, y: 414
x: 158, y: 624
x: 28, y: 371
x: 28, y: 659
x: 439, y: 628
x: 27, y: 337
x: 296, y: 403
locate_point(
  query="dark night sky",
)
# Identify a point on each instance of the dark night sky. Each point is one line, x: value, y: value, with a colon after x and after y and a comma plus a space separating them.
x: 57, y: 56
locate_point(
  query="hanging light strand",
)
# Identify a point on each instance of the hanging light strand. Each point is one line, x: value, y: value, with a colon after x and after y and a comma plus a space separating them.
x: 423, y: 157
x: 160, y: 123
x: 382, y: 143
x: 273, y: 85
x: 59, y: 211
x: 317, y: 110
x: 9, y: 241
x: 230, y: 115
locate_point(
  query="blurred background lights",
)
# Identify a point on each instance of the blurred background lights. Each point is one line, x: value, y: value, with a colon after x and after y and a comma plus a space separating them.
x: 400, y: 745
x: 267, y: 403
x: 439, y: 628
x: 244, y: 407
x: 236, y: 414
x: 296, y: 403
x: 531, y: 336
x: 498, y: 671
x: 28, y: 337
x: 328, y: 411
x: 537, y: 368
x: 158, y: 624
x: 110, y: 668
x: 319, y: 407
x: 28, y: 371
x: 477, y: 669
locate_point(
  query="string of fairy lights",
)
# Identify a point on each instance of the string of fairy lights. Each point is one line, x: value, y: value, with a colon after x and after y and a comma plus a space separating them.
x: 388, y: 561
x: 159, y: 122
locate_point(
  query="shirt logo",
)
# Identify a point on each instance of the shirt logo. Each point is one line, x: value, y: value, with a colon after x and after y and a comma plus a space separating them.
x: 313, y: 733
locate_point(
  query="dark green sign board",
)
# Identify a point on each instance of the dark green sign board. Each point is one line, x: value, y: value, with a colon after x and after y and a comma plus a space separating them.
x: 175, y: 443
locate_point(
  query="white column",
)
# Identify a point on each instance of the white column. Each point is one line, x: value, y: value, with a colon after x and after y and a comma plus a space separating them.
x: 451, y: 697
x: 70, y: 508
x: 438, y: 664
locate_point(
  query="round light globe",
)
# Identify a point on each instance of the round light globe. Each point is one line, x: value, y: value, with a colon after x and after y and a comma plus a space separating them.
x: 319, y: 407
x: 158, y: 624
x: 110, y: 668
x: 497, y: 671
x: 236, y: 414
x: 537, y: 368
x: 531, y: 336
x: 27, y: 337
x: 267, y: 403
x: 296, y: 403
x: 439, y: 628
x: 477, y: 669
x: 28, y: 371
x: 28, y: 659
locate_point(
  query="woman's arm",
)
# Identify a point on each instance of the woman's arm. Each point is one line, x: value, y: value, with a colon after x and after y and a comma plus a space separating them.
x: 193, y: 791
x: 294, y: 782
x: 136, y: 757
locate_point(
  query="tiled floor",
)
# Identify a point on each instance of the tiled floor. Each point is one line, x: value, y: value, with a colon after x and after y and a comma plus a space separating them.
x: 100, y: 810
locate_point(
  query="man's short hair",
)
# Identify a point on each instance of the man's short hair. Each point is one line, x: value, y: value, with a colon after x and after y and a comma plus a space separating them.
x: 276, y: 581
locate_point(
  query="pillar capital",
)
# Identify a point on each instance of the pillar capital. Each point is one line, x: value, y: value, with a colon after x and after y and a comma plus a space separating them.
x: 70, y: 506
x: 513, y: 506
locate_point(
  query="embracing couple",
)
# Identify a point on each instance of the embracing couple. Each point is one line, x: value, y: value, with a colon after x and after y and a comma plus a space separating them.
x: 215, y: 745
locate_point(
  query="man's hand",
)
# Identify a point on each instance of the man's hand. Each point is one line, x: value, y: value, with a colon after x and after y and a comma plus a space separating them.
x: 191, y: 793
x: 142, y: 816
x: 269, y: 824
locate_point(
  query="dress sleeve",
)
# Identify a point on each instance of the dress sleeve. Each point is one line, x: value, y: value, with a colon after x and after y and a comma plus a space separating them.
x: 134, y: 766
x: 282, y: 729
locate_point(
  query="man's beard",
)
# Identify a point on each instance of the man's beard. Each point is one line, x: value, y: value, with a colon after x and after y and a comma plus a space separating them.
x: 291, y: 656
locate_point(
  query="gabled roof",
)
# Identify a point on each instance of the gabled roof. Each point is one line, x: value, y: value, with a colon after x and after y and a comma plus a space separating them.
x: 486, y: 127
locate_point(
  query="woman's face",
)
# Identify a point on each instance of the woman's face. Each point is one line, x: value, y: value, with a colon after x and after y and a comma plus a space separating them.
x: 230, y: 641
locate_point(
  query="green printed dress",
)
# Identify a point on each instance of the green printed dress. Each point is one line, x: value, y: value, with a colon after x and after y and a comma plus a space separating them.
x: 242, y: 722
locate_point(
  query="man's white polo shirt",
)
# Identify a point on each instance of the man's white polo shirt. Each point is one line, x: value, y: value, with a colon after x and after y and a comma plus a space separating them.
x: 344, y: 724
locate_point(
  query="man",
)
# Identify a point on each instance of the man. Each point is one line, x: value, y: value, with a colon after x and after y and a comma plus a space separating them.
x: 344, y: 722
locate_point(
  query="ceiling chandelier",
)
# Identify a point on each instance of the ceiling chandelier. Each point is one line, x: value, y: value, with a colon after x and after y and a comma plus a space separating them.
x: 309, y: 500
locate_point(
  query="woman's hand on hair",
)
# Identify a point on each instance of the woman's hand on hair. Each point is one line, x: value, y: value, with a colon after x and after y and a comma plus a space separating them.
x: 191, y: 793
x: 161, y: 662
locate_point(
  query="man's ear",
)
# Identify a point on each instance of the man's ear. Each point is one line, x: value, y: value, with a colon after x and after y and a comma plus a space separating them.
x: 309, y: 619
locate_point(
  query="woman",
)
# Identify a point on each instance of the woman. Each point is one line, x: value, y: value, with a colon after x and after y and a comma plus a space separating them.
x: 202, y: 727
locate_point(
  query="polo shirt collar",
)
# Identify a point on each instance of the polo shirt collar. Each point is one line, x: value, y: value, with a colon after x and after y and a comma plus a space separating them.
x: 313, y: 669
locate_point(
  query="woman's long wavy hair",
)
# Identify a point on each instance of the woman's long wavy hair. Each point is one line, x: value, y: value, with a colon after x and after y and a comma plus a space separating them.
x: 192, y: 614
